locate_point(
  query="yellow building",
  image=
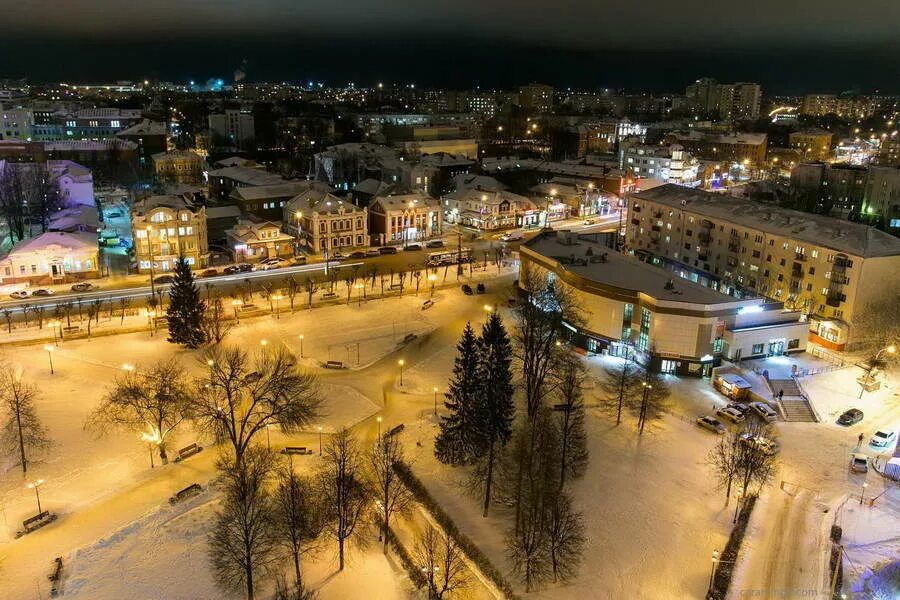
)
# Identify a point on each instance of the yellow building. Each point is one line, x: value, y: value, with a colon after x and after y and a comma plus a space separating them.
x: 812, y: 145
x: 165, y: 228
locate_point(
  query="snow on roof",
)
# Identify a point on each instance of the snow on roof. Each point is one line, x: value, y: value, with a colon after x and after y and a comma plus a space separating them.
x: 172, y: 201
x: 175, y: 154
x: 46, y: 241
x: 248, y: 176
x: 489, y: 197
x: 108, y: 113
x: 233, y: 161
x: 145, y: 127
x: 247, y: 230
x: 844, y: 236
x: 480, y: 182
x: 222, y: 212
x: 287, y: 189
x: 403, y: 201
x: 754, y: 139
x: 445, y: 159
x: 316, y: 201
x: 89, y: 145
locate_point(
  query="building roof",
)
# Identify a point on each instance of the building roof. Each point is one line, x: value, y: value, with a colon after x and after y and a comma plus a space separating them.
x: 89, y: 145
x: 247, y: 230
x: 287, y: 189
x: 74, y: 218
x: 625, y: 272
x: 223, y: 212
x: 478, y: 182
x: 818, y: 230
x: 372, y: 187
x: 753, y: 139
x: 175, y: 154
x: 233, y: 161
x: 489, y: 197
x: 402, y: 202
x: 173, y: 201
x: 247, y: 176
x: 80, y: 173
x: 145, y: 127
x: 316, y: 201
x: 444, y: 159
x: 73, y: 241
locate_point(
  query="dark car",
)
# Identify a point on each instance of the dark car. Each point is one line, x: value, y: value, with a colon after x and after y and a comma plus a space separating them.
x: 241, y: 268
x: 480, y: 288
x: 42, y: 292
x: 435, y: 244
x: 467, y: 289
x: 388, y: 250
x: 84, y: 286
x: 209, y: 273
x: 850, y: 417
x: 164, y: 279
x: 358, y: 254
x: 412, y: 247
x: 300, y: 260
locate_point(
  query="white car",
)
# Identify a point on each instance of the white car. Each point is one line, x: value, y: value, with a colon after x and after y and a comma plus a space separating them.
x: 710, y: 424
x: 764, y: 411
x: 19, y: 295
x: 732, y: 414
x: 763, y: 444
x: 883, y: 439
x: 859, y: 463
x: 269, y: 264
x: 511, y: 237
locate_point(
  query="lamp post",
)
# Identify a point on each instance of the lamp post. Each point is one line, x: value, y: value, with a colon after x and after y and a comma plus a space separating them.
x: 712, y: 573
x: 150, y: 253
x: 435, y: 390
x: 127, y: 367
x: 891, y: 349
x: 268, y: 438
x: 320, y: 439
x: 277, y: 298
x: 236, y: 304
x: 53, y: 325
x: 301, y: 345
x: 432, y: 278
x: 400, y: 362
x: 264, y: 342
x: 737, y: 506
x: 50, y: 348
x: 862, y: 493
x: 35, y: 485
x: 378, y: 419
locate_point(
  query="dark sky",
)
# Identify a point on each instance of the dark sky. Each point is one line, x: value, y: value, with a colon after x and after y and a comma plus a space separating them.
x: 789, y: 46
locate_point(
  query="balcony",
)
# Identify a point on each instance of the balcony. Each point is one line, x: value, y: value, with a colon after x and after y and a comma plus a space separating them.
x: 704, y: 238
x: 656, y: 228
x: 657, y: 214
x: 839, y: 280
x: 635, y: 221
x: 835, y: 298
x: 799, y: 257
x: 707, y: 224
x: 734, y: 247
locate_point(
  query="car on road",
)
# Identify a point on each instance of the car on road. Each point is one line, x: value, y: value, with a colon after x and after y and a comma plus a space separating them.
x: 588, y: 222
x: 300, y: 260
x: 387, y: 250
x: 480, y: 288
x: 42, y: 292
x: 859, y: 463
x: 373, y: 252
x: 19, y: 295
x: 511, y: 237
x: 412, y: 247
x: 239, y: 268
x: 358, y: 254
x: 764, y: 411
x: 732, y: 414
x: 84, y: 286
x: 711, y: 424
x: 337, y: 256
x: 209, y: 273
x: 435, y: 244
x: 114, y: 215
x: 467, y: 289
x: 883, y: 439
x: 763, y: 444
x: 269, y: 264
x: 850, y: 417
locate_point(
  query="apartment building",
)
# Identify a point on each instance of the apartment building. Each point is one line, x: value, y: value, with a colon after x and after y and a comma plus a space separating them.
x: 743, y: 148
x: 178, y: 166
x: 670, y: 164
x: 235, y: 128
x: 325, y: 223
x: 847, y: 106
x: 828, y: 268
x: 536, y: 97
x: 812, y: 144
x: 165, y: 228
x: 489, y: 210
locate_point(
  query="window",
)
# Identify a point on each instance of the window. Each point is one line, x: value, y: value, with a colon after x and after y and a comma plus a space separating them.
x: 626, y: 321
x: 644, y: 335
x: 757, y: 349
x: 794, y: 343
x: 114, y: 123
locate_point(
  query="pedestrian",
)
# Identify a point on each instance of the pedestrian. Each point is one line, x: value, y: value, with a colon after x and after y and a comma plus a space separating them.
x: 859, y: 440
x: 780, y: 394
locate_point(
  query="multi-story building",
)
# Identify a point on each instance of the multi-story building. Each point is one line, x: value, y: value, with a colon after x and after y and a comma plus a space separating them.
x: 223, y: 181
x: 253, y: 240
x: 84, y: 124
x: 670, y: 164
x: 635, y: 309
x: 735, y: 148
x: 15, y: 123
x: 703, y: 96
x: 489, y: 210
x: 404, y: 219
x: 881, y: 203
x: 233, y: 127
x: 52, y: 257
x: 325, y: 223
x: 74, y: 182
x: 889, y: 153
x: 536, y: 97
x: 268, y: 201
x: 846, y: 106
x: 738, y: 101
x: 165, y: 228
x: 832, y: 189
x: 831, y: 269
x: 150, y: 137
x: 178, y: 166
x: 813, y: 144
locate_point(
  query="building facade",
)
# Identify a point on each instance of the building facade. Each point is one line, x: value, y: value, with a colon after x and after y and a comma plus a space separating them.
x: 252, y: 240
x: 325, y: 223
x: 233, y: 127
x: 404, y: 219
x: 52, y: 257
x: 670, y: 164
x: 489, y: 210
x: 178, y: 166
x: 812, y: 145
x: 165, y: 228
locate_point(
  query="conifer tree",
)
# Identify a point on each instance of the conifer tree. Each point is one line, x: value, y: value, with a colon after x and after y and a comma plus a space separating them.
x: 186, y: 308
x: 454, y: 443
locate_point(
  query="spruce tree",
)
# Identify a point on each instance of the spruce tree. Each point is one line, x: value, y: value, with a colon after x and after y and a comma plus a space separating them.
x: 454, y: 443
x: 495, y: 410
x: 186, y: 308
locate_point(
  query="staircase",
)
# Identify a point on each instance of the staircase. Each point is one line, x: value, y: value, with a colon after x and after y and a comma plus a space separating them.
x: 794, y: 404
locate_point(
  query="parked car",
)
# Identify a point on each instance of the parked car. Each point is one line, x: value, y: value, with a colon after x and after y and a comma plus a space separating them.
x: 358, y: 254
x: 859, y: 463
x: 763, y: 444
x: 764, y: 411
x: 42, y: 292
x: 883, y: 439
x: 373, y: 252
x: 412, y: 247
x: 435, y: 244
x: 467, y: 289
x: 164, y: 279
x: 741, y: 408
x: 19, y: 294
x: 300, y: 260
x: 733, y: 415
x: 209, y: 273
x: 239, y: 268
x: 337, y: 256
x: 850, y: 417
x: 269, y: 264
x: 387, y: 250
x: 587, y: 222
x: 84, y: 286
x: 511, y: 237
x: 711, y: 424
x: 480, y: 288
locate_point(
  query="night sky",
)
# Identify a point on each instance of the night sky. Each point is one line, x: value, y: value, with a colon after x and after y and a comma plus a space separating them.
x: 790, y: 46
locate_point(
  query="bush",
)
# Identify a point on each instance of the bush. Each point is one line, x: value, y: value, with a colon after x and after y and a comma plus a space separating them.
x: 415, y: 485
x: 725, y: 568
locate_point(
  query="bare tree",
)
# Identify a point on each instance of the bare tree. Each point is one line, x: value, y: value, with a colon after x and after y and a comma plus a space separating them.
x: 651, y: 399
x: 283, y: 591
x: 310, y: 286
x: 216, y: 323
x: 242, y: 395
x: 343, y: 495
x: 756, y: 464
x: 392, y: 496
x: 565, y: 538
x: 241, y: 546
x: 573, y: 454
x: 724, y: 461
x: 619, y: 385
x: 297, y: 517
x: 443, y: 563
x: 7, y: 316
x: 123, y: 306
x: 23, y: 434
x: 154, y: 401
x: 291, y: 289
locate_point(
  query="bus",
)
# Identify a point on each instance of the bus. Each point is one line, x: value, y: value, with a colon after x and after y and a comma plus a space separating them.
x: 449, y: 257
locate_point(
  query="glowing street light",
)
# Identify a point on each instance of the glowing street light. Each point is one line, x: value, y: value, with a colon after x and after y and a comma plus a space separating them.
x: 236, y: 304
x: 862, y: 493
x: 435, y: 390
x: 432, y: 278
x: 400, y: 362
x: 378, y: 419
x: 712, y: 573
x: 54, y: 325
x: 127, y: 367
x: 50, y: 348
x: 263, y: 342
x: 35, y: 485
x: 301, y: 345
x: 320, y: 439
x: 276, y: 298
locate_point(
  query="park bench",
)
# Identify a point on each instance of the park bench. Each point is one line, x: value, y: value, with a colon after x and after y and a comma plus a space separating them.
x: 394, y: 286
x: 334, y: 364
x: 248, y: 306
x: 55, y: 576
x: 302, y: 450
x: 36, y: 522
x: 188, y: 451
x: 427, y: 304
x: 409, y: 337
x: 72, y: 329
x: 191, y: 490
x: 329, y: 295
x: 395, y: 430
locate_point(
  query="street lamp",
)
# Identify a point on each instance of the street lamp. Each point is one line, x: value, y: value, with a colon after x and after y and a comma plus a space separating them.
x: 862, y: 493
x: 236, y: 304
x: 127, y: 367
x: 401, y: 362
x: 263, y: 342
x: 34, y: 485
x: 301, y: 345
x: 151, y: 314
x: 737, y: 506
x: 359, y: 294
x: 891, y: 349
x: 320, y: 439
x: 50, y: 348
x: 53, y: 325
x: 150, y: 253
x: 432, y: 278
x: 712, y: 573
x: 435, y: 399
x: 276, y: 298
x: 378, y: 419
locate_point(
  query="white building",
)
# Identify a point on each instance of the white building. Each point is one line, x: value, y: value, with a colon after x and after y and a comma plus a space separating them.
x: 233, y: 127
x: 52, y: 257
x: 670, y: 164
x: 76, y: 183
x: 15, y: 123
